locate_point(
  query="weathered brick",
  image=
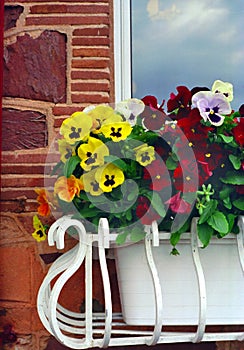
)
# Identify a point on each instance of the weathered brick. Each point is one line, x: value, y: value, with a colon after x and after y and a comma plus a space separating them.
x: 15, y: 269
x: 91, y: 52
x: 64, y: 110
x: 13, y: 206
x: 12, y: 230
x: 66, y: 20
x: 90, y: 86
x: 11, y: 15
x: 21, y: 181
x: 90, y: 63
x: 90, y: 98
x: 90, y: 31
x: 25, y: 169
x: 41, y: 67
x: 26, y: 158
x: 8, y: 194
x: 91, y: 41
x: 23, y: 129
x: 90, y: 74
x: 81, y: 8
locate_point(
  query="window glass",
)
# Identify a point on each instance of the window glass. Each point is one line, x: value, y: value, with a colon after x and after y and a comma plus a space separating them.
x: 186, y: 42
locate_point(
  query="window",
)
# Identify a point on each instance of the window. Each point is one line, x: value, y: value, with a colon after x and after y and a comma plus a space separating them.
x: 166, y: 43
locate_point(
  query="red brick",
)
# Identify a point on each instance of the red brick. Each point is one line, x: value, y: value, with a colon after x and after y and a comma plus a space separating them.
x: 19, y: 316
x: 69, y: 20
x: 90, y: 87
x: 23, y: 169
x: 89, y: 98
x: 65, y: 110
x: 15, y: 193
x: 89, y: 31
x: 91, y: 41
x: 25, y: 158
x: 90, y: 63
x: 15, y: 270
x: 90, y: 74
x: 21, y: 181
x: 14, y: 206
x: 46, y: 9
x: 90, y: 52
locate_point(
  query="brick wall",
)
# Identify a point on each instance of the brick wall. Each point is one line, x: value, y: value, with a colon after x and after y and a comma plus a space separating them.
x: 58, y: 58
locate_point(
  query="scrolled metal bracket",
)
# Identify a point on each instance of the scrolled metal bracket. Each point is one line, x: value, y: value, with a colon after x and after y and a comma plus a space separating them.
x: 86, y: 330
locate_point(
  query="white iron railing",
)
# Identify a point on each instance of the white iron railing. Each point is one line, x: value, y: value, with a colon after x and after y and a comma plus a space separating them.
x: 89, y: 329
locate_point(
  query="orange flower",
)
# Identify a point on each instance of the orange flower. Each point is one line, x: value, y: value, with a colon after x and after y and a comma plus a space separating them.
x: 44, y: 199
x: 68, y: 188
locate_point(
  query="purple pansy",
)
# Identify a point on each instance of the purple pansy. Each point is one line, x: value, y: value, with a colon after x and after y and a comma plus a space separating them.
x: 212, y: 106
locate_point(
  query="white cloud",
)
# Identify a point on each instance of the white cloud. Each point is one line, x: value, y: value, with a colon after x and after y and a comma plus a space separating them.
x: 156, y: 14
x: 237, y: 57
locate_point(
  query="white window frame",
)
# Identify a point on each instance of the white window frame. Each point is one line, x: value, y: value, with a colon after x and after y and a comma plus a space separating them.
x: 122, y: 49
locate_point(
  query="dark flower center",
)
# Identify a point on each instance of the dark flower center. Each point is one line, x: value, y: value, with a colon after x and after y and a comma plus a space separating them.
x: 75, y: 132
x: 91, y: 158
x: 109, y: 181
x: 116, y: 133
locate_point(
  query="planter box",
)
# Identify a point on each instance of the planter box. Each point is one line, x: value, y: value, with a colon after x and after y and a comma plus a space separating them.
x: 179, y: 284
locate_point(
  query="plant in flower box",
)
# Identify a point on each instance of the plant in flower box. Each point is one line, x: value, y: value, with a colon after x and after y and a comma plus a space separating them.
x: 136, y: 161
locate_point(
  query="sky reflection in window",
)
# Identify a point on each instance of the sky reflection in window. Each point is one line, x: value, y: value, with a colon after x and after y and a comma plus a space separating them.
x: 187, y: 42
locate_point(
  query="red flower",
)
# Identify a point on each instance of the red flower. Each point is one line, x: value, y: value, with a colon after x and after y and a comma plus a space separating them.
x: 186, y: 176
x: 158, y: 173
x: 238, y: 131
x: 181, y: 100
x: 153, y: 116
x: 152, y: 102
x: 192, y: 127
x: 145, y: 212
x: 178, y: 205
x: 204, y: 172
x: 241, y: 110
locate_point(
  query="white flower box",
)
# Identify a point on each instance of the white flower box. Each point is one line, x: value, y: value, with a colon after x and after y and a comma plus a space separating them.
x: 224, y: 282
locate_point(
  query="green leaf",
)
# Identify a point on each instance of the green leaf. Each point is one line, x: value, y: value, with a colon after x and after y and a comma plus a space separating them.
x: 218, y: 222
x: 171, y: 164
x: 56, y: 167
x: 137, y: 234
x: 227, y: 139
x: 225, y: 192
x: 208, y: 210
x: 236, y: 162
x: 90, y: 213
x: 121, y: 238
x: 233, y: 178
x: 227, y: 203
x: 70, y: 165
x: 175, y: 236
x: 116, y: 161
x: 205, y: 232
x: 239, y: 203
x: 231, y: 219
x: 158, y: 205
x: 128, y: 215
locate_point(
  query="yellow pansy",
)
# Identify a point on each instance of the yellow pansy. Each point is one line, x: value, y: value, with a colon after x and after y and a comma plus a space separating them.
x: 99, y: 115
x: 109, y: 177
x: 90, y: 183
x: 145, y: 154
x: 67, y: 188
x: 223, y: 87
x: 92, y: 153
x: 40, y: 232
x: 76, y: 128
x: 65, y: 150
x: 116, y: 129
